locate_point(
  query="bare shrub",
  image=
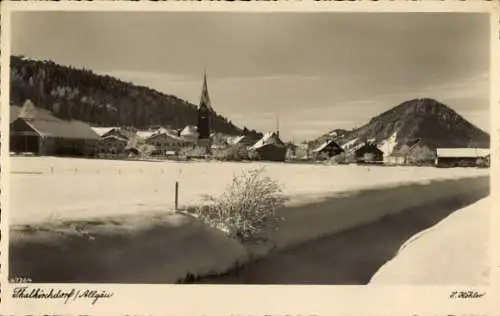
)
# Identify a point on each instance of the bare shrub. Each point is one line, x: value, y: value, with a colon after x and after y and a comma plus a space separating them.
x: 248, y: 209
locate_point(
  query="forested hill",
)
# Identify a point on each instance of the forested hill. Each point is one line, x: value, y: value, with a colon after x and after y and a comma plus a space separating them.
x: 430, y: 122
x: 101, y: 100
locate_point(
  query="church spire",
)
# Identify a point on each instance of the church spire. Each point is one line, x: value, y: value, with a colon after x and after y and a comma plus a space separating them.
x: 205, y: 99
x: 205, y: 112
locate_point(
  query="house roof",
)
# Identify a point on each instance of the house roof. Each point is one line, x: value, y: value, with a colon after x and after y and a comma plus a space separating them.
x: 369, y: 146
x: 144, y: 134
x: 46, y: 124
x: 166, y: 131
x: 326, y: 144
x: 405, y: 150
x: 14, y: 112
x: 115, y: 137
x: 163, y: 132
x: 269, y: 138
x: 189, y: 130
x: 462, y: 152
x: 237, y: 140
x: 102, y: 130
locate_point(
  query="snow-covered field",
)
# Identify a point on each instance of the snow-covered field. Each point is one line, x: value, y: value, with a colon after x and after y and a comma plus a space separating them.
x: 47, y: 188
x: 453, y: 252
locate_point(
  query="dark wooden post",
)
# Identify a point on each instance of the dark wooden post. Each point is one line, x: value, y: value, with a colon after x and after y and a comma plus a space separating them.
x: 176, y: 195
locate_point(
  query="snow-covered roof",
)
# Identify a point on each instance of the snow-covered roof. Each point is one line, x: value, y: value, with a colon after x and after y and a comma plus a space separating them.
x: 102, y: 130
x: 189, y: 130
x: 237, y: 140
x: 462, y: 152
x: 324, y: 145
x: 115, y: 137
x: 144, y: 134
x: 349, y: 143
x: 165, y: 131
x: 268, y: 138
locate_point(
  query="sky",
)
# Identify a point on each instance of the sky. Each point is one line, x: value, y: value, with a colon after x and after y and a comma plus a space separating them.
x: 315, y: 71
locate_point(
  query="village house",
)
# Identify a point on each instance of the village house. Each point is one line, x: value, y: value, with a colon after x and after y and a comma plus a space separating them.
x: 461, y: 157
x: 270, y: 148
x: 111, y: 144
x: 165, y: 141
x: 369, y: 153
x: 413, y: 153
x: 219, y: 141
x: 327, y: 150
x: 190, y: 134
x: 38, y: 131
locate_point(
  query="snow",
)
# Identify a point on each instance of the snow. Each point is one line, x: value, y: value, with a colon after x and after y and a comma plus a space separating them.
x: 144, y: 134
x: 462, y: 152
x: 48, y: 188
x: 349, y: 143
x: 102, y: 130
x: 134, y: 197
x: 453, y: 252
x: 262, y: 141
x: 387, y: 146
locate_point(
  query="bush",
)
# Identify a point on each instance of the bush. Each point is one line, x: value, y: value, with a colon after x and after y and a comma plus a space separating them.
x: 248, y: 209
x: 234, y: 153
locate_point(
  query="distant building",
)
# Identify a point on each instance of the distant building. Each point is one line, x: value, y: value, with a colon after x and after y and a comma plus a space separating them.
x: 165, y: 142
x: 270, y: 148
x: 111, y: 144
x: 461, y: 157
x: 219, y: 141
x: 328, y: 149
x: 369, y: 153
x: 37, y: 131
x: 190, y: 134
x: 413, y: 153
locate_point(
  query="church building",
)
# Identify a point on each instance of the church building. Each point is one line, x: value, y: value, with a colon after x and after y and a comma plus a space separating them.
x: 205, y: 114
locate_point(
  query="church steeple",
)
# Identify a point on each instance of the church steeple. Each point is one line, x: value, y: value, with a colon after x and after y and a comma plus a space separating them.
x: 204, y: 111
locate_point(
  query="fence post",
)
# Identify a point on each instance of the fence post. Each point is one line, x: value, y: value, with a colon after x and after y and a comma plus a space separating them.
x: 176, y: 195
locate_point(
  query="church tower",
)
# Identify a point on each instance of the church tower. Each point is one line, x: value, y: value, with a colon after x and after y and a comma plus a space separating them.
x: 205, y: 112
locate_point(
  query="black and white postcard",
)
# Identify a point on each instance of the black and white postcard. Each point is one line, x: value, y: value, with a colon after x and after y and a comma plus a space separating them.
x: 249, y: 158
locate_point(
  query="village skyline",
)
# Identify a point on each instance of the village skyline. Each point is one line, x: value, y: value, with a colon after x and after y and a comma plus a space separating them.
x: 261, y: 71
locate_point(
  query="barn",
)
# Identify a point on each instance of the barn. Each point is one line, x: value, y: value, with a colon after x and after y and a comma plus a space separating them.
x: 269, y: 148
x: 38, y: 131
x: 461, y: 157
x: 369, y: 153
x: 415, y: 152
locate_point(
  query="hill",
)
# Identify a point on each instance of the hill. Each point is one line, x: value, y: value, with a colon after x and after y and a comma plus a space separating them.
x: 428, y: 121
x: 81, y: 94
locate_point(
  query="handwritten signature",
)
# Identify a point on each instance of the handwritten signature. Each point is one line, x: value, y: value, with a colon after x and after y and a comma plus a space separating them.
x: 25, y: 292
x: 466, y: 294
